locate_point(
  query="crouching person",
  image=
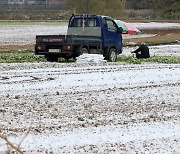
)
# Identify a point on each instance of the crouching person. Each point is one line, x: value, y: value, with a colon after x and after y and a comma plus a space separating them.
x: 142, y: 52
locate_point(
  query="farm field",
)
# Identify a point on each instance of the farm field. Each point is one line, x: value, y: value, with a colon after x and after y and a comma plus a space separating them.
x: 90, y: 108
x: 97, y: 109
x: 21, y: 36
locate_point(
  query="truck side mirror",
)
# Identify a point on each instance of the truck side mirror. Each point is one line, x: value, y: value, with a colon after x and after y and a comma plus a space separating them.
x: 119, y: 30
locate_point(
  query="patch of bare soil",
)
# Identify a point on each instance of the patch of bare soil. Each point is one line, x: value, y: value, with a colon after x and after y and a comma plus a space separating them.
x: 162, y: 36
x: 7, y: 48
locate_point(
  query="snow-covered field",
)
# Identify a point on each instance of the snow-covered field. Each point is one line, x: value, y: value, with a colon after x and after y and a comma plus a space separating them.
x: 104, y: 108
x: 25, y: 35
x: 94, y: 107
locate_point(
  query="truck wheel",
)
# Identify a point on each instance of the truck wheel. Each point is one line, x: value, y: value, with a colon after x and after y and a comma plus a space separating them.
x: 52, y: 58
x: 82, y: 50
x: 111, y: 55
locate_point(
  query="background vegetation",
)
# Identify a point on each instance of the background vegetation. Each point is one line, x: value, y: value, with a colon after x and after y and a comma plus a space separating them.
x: 148, y: 9
x: 20, y: 56
x: 112, y: 8
x: 124, y: 9
x: 160, y: 9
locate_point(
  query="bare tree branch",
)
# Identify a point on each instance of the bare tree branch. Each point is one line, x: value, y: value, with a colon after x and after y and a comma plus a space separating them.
x: 25, y: 135
x: 11, y: 144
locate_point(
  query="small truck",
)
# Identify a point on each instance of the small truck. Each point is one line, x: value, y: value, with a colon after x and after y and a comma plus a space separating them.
x: 93, y: 34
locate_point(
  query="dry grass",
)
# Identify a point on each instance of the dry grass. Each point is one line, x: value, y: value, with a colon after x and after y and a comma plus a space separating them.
x: 12, y: 147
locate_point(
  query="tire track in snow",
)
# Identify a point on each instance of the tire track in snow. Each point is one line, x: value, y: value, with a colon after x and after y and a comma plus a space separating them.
x: 18, y: 76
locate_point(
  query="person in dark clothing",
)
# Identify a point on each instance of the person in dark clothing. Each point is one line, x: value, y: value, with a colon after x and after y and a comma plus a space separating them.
x: 142, y: 52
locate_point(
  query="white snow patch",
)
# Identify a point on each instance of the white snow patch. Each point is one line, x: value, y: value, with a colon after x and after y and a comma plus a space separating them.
x: 126, y: 36
x: 68, y: 140
x: 91, y: 59
x: 156, y: 25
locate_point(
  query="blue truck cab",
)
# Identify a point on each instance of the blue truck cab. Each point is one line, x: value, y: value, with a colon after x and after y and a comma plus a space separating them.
x: 85, y: 34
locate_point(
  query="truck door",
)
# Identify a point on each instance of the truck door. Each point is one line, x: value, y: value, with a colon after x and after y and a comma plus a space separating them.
x: 110, y: 35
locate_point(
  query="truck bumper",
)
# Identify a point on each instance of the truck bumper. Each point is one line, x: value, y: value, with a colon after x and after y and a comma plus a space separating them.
x: 57, y: 50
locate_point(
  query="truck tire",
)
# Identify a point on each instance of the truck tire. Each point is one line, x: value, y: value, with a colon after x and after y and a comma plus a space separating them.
x: 111, y: 54
x: 84, y: 50
x: 81, y: 50
x: 51, y: 58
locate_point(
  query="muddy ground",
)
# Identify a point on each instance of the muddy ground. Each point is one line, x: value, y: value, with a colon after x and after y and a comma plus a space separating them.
x: 161, y: 36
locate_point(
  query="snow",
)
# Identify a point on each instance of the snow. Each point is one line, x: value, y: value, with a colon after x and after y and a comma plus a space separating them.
x: 156, y: 25
x: 138, y: 36
x: 90, y: 106
x: 108, y: 134
x: 90, y: 59
x: 23, y: 35
x: 122, y: 107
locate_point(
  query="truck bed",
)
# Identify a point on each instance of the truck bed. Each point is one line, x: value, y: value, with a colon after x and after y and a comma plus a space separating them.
x: 68, y: 39
x: 48, y: 44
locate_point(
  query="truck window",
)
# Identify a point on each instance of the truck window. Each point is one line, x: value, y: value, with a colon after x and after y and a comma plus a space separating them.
x: 111, y: 25
x: 78, y: 23
x: 92, y: 23
x: 87, y: 22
